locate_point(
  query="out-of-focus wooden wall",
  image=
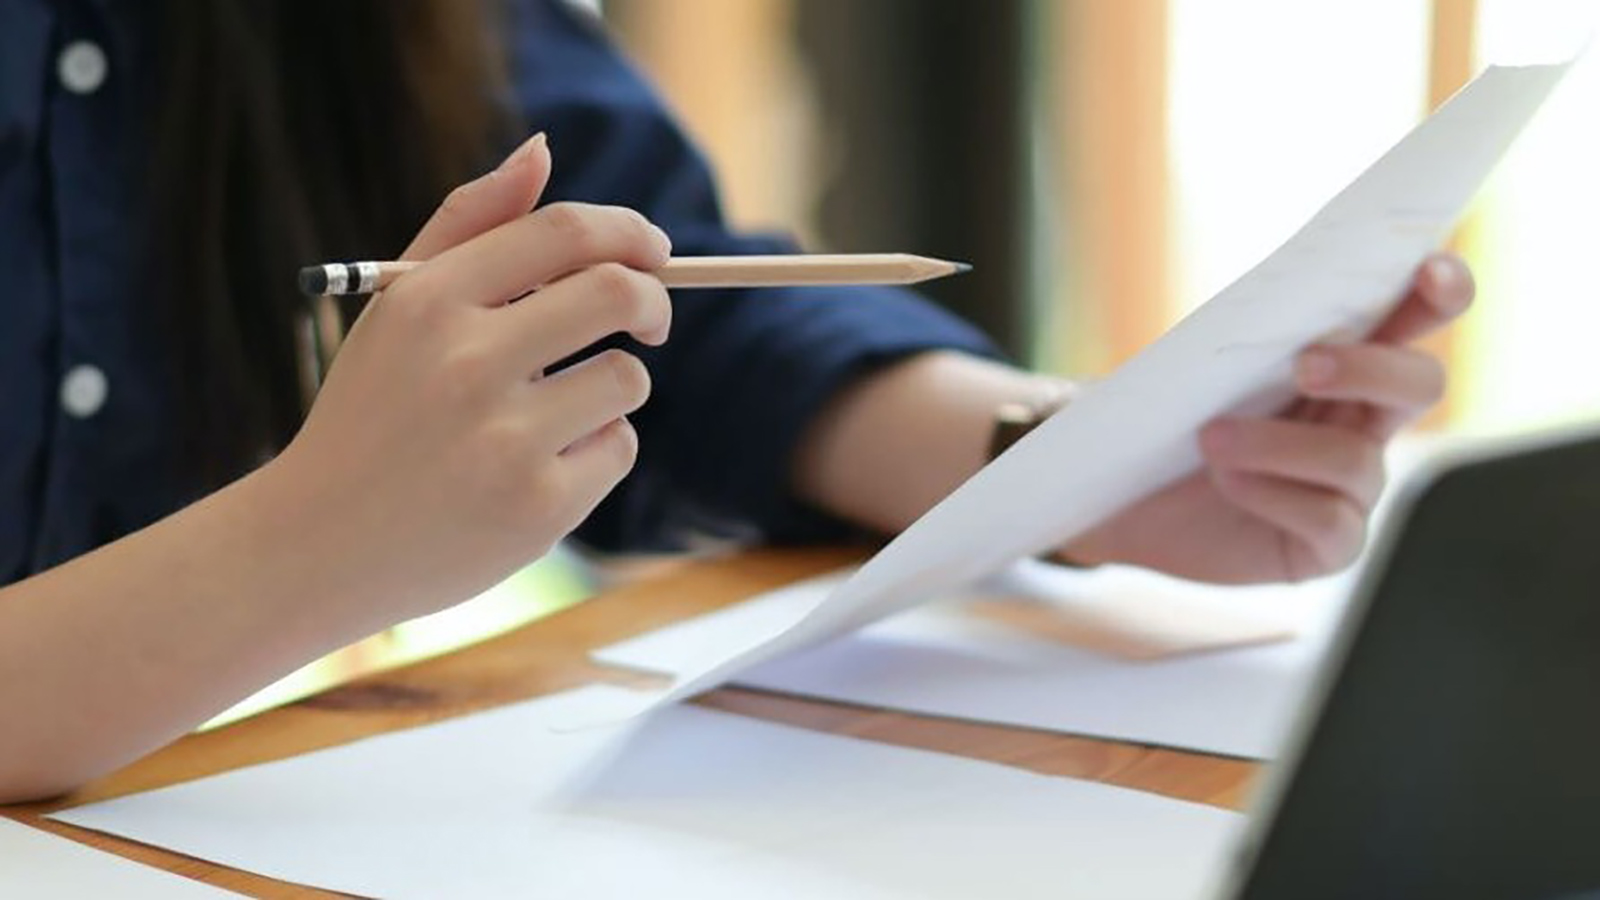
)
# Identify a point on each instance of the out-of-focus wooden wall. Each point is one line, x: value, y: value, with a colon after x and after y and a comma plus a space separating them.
x: 933, y: 125
x: 729, y: 69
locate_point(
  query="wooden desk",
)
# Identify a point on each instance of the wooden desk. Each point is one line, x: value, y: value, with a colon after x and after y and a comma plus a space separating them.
x: 551, y: 655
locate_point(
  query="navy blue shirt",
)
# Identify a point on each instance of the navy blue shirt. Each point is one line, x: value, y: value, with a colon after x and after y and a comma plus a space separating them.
x: 86, y: 422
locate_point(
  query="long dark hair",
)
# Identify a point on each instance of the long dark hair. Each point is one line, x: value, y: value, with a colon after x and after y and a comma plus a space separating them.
x: 290, y: 132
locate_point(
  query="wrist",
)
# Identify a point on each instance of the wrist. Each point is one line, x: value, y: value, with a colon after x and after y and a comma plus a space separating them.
x: 1042, y: 397
x: 306, y: 559
x: 1014, y: 420
x: 1085, y: 551
x: 897, y: 441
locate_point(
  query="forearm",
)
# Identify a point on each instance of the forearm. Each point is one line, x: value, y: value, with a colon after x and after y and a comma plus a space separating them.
x: 114, y: 654
x: 890, y: 447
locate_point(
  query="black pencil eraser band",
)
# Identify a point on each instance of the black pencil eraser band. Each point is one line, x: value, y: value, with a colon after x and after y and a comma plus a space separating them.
x: 337, y: 279
x: 314, y: 281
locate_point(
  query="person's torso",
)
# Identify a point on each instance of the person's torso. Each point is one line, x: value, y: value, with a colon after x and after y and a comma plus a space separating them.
x: 84, y: 436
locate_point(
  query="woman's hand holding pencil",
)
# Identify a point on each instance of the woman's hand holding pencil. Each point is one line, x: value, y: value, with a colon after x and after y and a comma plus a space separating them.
x: 437, y: 429
x: 442, y: 454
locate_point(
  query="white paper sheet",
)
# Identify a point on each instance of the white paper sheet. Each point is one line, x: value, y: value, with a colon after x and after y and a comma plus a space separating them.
x: 1134, y: 432
x: 939, y: 660
x: 688, y: 803
x: 37, y: 865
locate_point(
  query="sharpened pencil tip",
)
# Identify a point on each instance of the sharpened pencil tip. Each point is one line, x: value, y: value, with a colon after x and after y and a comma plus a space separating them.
x: 963, y: 267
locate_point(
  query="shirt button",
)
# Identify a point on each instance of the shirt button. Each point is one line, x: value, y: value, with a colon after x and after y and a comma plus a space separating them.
x: 84, y: 391
x: 82, y: 67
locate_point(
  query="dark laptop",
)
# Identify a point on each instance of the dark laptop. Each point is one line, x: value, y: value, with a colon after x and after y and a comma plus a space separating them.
x: 1452, y: 746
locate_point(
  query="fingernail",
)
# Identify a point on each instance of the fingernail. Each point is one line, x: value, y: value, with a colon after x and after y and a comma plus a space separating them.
x: 1441, y: 271
x: 522, y: 154
x: 1448, y: 289
x: 1316, y: 368
x: 664, y: 239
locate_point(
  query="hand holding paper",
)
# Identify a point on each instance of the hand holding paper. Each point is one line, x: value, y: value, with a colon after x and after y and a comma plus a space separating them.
x: 1288, y: 498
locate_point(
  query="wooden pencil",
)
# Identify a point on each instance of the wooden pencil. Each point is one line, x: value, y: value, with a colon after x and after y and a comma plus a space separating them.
x: 687, y: 272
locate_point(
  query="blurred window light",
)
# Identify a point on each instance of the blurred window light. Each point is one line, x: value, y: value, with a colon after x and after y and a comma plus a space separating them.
x: 1273, y: 108
x: 1528, y: 357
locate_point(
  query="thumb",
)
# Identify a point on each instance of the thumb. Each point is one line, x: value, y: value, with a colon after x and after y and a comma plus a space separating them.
x: 494, y: 199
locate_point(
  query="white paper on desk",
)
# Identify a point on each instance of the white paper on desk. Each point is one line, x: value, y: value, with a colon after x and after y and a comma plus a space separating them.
x: 938, y: 660
x: 1135, y: 431
x: 689, y: 803
x: 38, y: 865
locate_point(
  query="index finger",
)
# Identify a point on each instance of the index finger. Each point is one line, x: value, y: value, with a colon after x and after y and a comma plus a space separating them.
x: 483, y: 203
x: 526, y: 253
x: 1442, y: 291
